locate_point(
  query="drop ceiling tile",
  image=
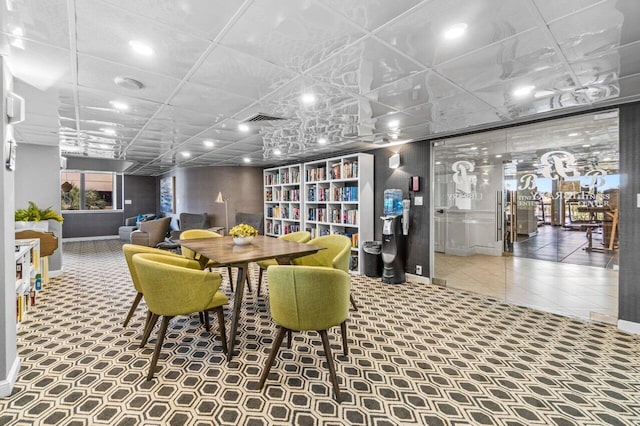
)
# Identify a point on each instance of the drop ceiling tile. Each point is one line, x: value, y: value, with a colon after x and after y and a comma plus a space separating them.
x: 37, y: 64
x: 514, y: 58
x: 290, y: 33
x: 553, y: 9
x: 37, y: 20
x: 100, y: 74
x: 371, y: 14
x: 174, y: 136
x: 364, y: 67
x: 239, y: 73
x: 421, y: 33
x: 202, y: 18
x: 215, y: 101
x: 414, y: 90
x: 182, y: 120
x: 223, y: 134
x: 109, y: 36
x: 594, y: 31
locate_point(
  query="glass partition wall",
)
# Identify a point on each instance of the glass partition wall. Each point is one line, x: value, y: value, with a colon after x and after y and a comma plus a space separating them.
x: 529, y: 215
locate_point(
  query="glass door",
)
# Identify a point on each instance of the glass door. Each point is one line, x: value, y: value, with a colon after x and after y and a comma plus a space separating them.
x: 468, y: 214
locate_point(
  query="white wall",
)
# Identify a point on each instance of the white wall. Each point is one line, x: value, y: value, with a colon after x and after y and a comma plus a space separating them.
x: 9, y: 362
x: 37, y: 179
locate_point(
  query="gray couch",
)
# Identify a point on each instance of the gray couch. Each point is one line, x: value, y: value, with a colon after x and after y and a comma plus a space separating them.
x: 130, y: 225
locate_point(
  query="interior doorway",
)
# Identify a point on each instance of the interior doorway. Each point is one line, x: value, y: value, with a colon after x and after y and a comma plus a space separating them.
x: 529, y: 215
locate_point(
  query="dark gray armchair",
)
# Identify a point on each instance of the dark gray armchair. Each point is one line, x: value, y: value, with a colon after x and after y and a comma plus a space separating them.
x: 254, y: 219
x: 190, y: 221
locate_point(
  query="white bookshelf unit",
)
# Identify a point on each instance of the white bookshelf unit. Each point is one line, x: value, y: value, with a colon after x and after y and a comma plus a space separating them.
x: 28, y: 267
x: 283, y: 205
x: 338, y: 199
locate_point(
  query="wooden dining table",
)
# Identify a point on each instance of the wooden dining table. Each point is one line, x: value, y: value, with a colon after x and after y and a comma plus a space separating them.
x: 224, y: 251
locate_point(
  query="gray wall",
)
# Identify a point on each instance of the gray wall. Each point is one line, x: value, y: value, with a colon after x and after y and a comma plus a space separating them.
x: 629, y: 236
x: 8, y: 351
x: 143, y: 192
x: 196, y: 189
x: 38, y: 180
x: 414, y: 160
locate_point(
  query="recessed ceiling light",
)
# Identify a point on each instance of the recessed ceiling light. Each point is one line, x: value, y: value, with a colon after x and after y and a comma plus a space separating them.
x: 596, y: 152
x: 208, y: 143
x: 522, y: 91
x: 573, y: 134
x: 473, y: 148
x: 438, y: 163
x: 186, y: 154
x: 141, y: 48
x: 455, y: 31
x: 499, y: 156
x: 393, y: 124
x: 243, y: 127
x: 308, y: 98
x: 535, y: 164
x: 104, y: 146
x: 586, y: 145
x: 246, y: 159
x: 108, y: 131
x: 119, y: 105
x: 277, y: 151
x: 484, y: 148
x: 322, y: 141
x: 128, y: 83
x: 607, y: 159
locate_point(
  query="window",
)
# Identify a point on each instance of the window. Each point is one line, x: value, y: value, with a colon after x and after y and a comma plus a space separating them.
x: 90, y: 190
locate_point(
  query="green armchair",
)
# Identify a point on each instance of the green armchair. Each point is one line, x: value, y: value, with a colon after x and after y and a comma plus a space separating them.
x: 172, y: 288
x: 336, y: 255
x: 298, y: 237
x: 129, y: 250
x: 306, y: 298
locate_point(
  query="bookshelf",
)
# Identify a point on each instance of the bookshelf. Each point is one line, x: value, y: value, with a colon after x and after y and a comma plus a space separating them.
x: 338, y: 199
x: 283, y: 205
x: 28, y: 278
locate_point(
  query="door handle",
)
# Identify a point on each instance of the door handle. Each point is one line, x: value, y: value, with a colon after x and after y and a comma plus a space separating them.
x: 498, y: 215
x: 441, y: 211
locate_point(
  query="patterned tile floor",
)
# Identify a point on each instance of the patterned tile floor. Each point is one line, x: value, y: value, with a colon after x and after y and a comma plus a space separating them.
x: 420, y: 354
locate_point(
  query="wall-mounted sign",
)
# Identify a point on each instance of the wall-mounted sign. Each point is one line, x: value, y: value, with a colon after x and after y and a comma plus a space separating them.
x: 11, y: 155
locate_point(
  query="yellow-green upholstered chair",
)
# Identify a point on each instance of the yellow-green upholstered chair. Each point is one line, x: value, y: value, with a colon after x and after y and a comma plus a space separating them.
x: 171, y: 288
x: 304, y: 298
x: 298, y: 237
x: 192, y: 234
x: 336, y: 255
x: 129, y: 250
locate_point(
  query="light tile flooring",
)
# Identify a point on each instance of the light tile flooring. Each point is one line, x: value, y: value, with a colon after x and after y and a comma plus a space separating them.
x: 584, y: 292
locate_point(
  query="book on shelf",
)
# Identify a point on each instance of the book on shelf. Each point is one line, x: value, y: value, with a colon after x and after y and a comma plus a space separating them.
x: 350, y: 217
x: 335, y: 171
x: 350, y: 170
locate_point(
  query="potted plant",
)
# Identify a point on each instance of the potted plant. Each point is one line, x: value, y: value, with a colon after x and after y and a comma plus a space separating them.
x: 35, y: 218
x: 243, y: 234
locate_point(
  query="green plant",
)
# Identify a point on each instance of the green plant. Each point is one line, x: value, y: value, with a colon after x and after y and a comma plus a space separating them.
x: 35, y: 214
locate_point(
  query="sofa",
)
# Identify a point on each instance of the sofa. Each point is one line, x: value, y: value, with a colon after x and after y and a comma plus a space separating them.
x: 131, y: 224
x: 152, y: 232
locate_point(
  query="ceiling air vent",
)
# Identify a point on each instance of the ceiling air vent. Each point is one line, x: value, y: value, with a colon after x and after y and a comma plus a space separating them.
x: 259, y: 117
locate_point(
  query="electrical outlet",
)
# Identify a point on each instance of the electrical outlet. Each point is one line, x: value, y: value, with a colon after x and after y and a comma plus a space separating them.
x: 418, y: 269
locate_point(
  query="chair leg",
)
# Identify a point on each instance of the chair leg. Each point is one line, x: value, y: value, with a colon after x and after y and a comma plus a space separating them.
x: 223, y: 332
x: 201, y: 317
x: 343, y: 331
x: 332, y: 369
x: 289, y: 339
x: 207, y: 326
x: 136, y: 301
x: 353, y: 302
x: 260, y: 281
x: 230, y: 277
x: 156, y: 353
x: 151, y: 322
x: 272, y: 356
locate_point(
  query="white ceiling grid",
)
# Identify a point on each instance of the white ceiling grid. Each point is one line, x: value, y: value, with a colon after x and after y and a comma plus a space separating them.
x: 381, y: 71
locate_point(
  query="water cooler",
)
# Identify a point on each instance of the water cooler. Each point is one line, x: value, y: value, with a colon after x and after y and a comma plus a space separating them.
x: 395, y: 225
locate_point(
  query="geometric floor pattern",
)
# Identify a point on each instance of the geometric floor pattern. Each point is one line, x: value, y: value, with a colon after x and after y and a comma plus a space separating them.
x: 419, y: 354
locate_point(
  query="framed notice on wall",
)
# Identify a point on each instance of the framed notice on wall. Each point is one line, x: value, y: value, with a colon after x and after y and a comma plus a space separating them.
x: 167, y: 194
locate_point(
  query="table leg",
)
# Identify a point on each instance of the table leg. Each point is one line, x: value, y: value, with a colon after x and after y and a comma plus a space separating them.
x: 237, y: 305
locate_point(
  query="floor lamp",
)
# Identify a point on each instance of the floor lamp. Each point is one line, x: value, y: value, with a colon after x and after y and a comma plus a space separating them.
x: 220, y: 199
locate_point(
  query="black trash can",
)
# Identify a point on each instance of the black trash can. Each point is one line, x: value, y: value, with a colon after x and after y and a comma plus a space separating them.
x: 372, y: 258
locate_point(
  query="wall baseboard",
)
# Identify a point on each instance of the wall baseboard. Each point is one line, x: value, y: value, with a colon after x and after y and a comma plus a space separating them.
x: 101, y: 237
x: 418, y: 278
x: 629, y: 326
x: 6, y: 386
